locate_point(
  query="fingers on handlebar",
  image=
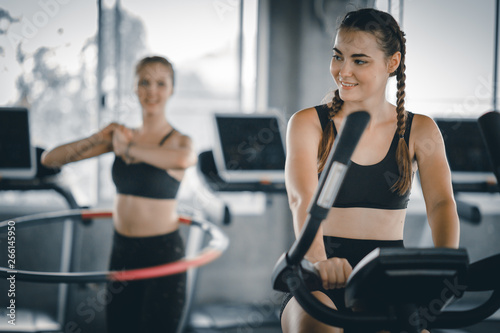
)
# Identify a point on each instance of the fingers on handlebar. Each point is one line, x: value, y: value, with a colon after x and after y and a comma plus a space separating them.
x: 334, y: 272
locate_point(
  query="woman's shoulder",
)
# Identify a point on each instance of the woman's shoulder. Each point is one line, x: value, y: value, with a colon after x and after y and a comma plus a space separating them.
x: 304, y: 113
x: 313, y: 113
x: 305, y: 123
x: 423, y: 127
x: 180, y: 134
x: 182, y: 139
x: 422, y: 121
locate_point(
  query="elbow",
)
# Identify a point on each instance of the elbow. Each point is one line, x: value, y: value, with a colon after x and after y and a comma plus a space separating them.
x: 43, y: 159
x: 188, y: 161
x: 50, y: 160
x: 293, y: 201
x: 445, y: 224
x: 296, y: 201
x: 444, y: 205
x: 47, y: 161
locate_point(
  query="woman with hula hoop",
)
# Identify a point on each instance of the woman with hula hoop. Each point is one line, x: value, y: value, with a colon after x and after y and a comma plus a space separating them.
x: 149, y: 165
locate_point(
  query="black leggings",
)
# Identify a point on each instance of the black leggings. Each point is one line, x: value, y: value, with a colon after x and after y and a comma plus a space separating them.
x: 353, y: 250
x: 152, y: 305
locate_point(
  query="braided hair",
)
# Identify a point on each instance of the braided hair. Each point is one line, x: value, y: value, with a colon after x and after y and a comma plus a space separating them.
x: 390, y: 39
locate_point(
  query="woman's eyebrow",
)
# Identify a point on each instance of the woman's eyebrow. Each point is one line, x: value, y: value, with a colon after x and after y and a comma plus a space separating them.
x: 337, y: 50
x: 355, y: 55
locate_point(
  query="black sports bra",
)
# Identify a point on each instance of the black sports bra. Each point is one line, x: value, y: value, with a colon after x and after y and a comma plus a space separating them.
x: 369, y: 186
x: 144, y: 180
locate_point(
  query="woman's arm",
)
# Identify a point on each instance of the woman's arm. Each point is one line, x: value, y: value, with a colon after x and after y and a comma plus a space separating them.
x: 97, y: 144
x: 168, y: 157
x: 301, y: 177
x: 435, y: 177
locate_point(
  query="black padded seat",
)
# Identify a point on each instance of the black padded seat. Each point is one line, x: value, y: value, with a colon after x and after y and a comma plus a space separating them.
x: 397, y: 276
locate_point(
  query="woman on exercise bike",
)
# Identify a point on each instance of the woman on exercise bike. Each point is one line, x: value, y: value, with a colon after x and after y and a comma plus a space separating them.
x: 370, y: 208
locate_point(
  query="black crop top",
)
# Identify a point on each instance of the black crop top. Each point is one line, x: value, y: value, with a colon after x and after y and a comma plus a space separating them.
x: 369, y: 186
x: 144, y: 180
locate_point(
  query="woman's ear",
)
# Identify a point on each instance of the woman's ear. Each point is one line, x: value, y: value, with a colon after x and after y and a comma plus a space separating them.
x: 394, y: 62
x: 136, y: 85
x: 171, y: 82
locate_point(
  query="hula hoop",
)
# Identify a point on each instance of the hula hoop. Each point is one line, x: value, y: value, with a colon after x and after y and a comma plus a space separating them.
x: 214, y: 249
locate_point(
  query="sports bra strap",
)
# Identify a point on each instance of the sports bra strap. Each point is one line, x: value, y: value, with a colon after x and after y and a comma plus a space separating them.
x: 167, y: 136
x: 323, y: 112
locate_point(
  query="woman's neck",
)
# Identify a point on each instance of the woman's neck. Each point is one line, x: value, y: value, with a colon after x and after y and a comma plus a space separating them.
x: 380, y: 110
x: 153, y: 124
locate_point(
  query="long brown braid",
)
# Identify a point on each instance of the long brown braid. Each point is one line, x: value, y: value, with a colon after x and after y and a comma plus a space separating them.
x: 326, y: 143
x: 391, y: 39
x: 403, y: 158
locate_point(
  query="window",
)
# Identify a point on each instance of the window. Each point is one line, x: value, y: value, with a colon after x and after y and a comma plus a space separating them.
x: 54, y: 55
x: 449, y: 55
x: 48, y: 63
x: 214, y: 58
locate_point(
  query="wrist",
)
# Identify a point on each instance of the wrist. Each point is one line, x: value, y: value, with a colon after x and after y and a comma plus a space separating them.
x: 127, y: 151
x: 314, y: 259
x: 98, y: 139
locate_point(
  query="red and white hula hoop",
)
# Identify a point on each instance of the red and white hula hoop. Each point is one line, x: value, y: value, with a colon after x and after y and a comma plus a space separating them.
x: 215, y: 247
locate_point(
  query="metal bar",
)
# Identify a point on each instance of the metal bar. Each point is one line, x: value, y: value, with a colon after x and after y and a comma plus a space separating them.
x: 495, y: 58
x: 240, y: 57
x: 118, y: 58
x: 401, y: 13
x: 101, y: 101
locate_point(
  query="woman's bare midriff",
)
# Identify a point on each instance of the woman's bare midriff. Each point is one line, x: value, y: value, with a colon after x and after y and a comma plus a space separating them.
x: 365, y: 223
x: 142, y: 217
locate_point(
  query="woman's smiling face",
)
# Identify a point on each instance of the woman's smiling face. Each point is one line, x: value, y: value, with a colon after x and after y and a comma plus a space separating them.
x: 154, y: 87
x: 359, y: 67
